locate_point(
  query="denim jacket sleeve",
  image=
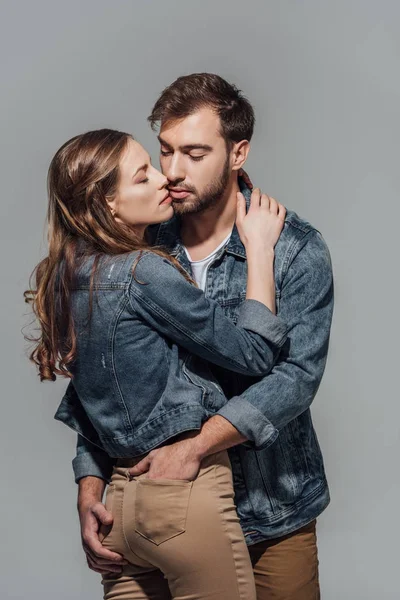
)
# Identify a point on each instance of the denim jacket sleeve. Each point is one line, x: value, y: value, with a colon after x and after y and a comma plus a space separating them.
x: 306, y: 304
x: 91, y: 461
x: 177, y: 309
x: 180, y: 311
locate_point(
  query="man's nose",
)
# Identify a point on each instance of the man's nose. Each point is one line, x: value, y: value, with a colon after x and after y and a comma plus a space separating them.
x: 174, y: 170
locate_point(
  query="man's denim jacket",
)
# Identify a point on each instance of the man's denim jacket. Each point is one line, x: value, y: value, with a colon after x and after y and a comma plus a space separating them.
x: 279, y: 475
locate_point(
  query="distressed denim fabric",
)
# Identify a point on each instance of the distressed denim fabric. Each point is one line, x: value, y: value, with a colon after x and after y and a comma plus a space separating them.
x: 141, y: 371
x: 280, y: 482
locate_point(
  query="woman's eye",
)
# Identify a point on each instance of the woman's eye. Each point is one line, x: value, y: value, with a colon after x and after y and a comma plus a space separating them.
x: 144, y: 180
x: 196, y: 158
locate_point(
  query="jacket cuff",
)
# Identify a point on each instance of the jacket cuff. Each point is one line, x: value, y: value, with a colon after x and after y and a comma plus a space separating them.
x: 92, y: 464
x: 255, y: 316
x: 250, y: 422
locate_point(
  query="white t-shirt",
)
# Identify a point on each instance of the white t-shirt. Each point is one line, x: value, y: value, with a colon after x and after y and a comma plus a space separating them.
x: 199, y: 267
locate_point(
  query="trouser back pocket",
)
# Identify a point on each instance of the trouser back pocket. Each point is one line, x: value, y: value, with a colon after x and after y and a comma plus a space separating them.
x: 161, y: 507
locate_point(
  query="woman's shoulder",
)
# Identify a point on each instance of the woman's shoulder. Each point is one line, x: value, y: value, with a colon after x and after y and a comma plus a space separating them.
x: 122, y: 269
x: 151, y: 267
x: 108, y: 270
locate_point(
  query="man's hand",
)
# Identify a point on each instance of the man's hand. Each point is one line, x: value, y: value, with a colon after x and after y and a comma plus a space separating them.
x: 93, y: 515
x: 179, y: 460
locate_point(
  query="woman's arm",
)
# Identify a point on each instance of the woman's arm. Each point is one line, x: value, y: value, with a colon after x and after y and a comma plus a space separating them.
x: 180, y: 311
x: 259, y: 231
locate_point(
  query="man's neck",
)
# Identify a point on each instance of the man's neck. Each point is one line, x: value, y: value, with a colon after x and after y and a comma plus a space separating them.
x: 203, y: 232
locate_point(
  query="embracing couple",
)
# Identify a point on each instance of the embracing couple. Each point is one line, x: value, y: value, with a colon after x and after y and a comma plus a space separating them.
x: 192, y: 316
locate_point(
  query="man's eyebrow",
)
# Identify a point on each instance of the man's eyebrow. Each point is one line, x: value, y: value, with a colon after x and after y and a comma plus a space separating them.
x: 186, y: 147
x: 189, y: 147
x: 164, y: 143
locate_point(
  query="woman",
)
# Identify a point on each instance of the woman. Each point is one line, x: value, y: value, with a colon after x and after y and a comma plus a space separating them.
x: 127, y: 324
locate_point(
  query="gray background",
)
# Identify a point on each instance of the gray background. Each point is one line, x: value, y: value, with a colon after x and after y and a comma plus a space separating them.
x: 324, y: 80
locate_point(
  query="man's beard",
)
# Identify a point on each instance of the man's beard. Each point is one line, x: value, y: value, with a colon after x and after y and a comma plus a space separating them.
x: 208, y: 198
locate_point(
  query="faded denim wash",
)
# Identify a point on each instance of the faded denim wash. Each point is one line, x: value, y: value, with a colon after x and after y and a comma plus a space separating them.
x: 279, y: 475
x: 141, y: 371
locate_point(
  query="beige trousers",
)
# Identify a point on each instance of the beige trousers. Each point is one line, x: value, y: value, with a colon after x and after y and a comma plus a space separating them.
x: 182, y: 539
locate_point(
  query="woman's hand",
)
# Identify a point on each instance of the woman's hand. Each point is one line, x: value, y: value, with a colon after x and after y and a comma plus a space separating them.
x: 261, y: 226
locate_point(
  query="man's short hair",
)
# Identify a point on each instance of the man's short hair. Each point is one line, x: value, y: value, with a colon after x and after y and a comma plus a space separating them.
x: 190, y: 93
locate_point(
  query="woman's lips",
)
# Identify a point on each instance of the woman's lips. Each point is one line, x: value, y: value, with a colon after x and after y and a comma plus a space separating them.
x: 179, y: 194
x: 166, y: 200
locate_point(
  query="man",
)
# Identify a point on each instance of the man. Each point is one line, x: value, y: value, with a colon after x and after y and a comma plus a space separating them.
x: 280, y: 487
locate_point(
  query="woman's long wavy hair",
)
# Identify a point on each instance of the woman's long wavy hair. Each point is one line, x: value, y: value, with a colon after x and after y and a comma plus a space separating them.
x: 83, y: 174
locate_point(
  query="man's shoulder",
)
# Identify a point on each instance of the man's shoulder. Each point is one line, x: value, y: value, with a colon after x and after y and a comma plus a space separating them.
x: 300, y: 236
x: 298, y: 230
x: 297, y: 226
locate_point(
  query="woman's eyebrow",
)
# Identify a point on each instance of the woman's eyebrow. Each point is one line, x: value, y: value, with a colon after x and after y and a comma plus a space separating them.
x: 140, y: 169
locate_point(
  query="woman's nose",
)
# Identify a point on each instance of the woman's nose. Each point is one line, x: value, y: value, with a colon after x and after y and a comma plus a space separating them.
x: 164, y: 181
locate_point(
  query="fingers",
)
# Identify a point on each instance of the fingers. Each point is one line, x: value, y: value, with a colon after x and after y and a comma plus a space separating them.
x: 141, y: 467
x: 103, y: 563
x: 97, y: 551
x: 255, y: 199
x: 102, y: 570
x: 265, y: 201
x: 273, y: 206
x: 241, y: 208
x: 102, y: 514
x: 259, y: 200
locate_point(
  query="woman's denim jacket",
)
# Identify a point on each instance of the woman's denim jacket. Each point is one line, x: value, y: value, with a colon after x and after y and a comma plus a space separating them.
x: 141, y: 371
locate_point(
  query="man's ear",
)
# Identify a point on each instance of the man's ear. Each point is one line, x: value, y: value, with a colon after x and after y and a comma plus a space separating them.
x: 240, y: 152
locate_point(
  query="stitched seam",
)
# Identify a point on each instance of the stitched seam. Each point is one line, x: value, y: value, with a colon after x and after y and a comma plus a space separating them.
x: 126, y: 418
x: 111, y: 490
x: 226, y: 530
x: 123, y: 525
x: 289, y: 254
x: 150, y: 424
x: 304, y: 229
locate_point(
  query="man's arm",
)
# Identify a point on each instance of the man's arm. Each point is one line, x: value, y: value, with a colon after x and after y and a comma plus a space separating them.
x: 306, y: 304
x: 90, y: 460
x: 92, y: 515
x: 258, y: 414
x: 92, y: 468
